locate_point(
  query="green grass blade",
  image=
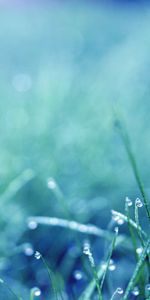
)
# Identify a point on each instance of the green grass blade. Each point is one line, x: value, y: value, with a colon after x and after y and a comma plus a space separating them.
x: 101, y: 273
x: 16, y: 184
x: 88, y: 253
x: 10, y: 289
x: 79, y: 227
x: 109, y: 258
x: 126, y: 141
x: 136, y: 271
x: 132, y: 233
x: 132, y: 223
x: 87, y: 293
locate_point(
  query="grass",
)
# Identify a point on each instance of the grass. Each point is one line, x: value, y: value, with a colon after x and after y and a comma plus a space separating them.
x: 62, y: 127
x: 137, y: 242
x: 135, y: 231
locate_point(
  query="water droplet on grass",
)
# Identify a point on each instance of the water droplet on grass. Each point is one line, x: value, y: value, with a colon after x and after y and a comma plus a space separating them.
x: 116, y: 230
x: 119, y: 291
x: 36, y: 291
x: 116, y: 218
x: 32, y: 224
x: 86, y: 248
x: 87, y: 251
x: 37, y: 255
x: 112, y: 266
x: 139, y: 250
x: 135, y: 291
x: 128, y: 201
x: 51, y: 183
x: 78, y: 275
x: 103, y: 265
x: 28, y: 249
x: 138, y: 202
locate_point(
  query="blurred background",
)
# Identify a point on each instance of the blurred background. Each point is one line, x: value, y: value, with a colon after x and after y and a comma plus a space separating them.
x: 65, y: 66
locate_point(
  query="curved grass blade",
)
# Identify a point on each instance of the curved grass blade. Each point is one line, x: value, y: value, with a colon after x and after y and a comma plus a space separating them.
x: 132, y: 223
x: 87, y: 251
x: 52, y: 279
x: 117, y: 291
x: 87, y: 293
x: 79, y: 227
x: 51, y: 276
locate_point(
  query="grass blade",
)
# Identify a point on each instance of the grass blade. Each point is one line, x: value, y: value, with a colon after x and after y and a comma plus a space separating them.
x: 126, y: 141
x: 132, y: 223
x: 87, y: 293
x: 136, y: 271
x: 109, y: 257
x: 10, y: 289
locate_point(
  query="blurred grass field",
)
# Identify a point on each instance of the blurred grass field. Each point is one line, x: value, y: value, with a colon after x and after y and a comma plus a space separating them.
x: 64, y: 69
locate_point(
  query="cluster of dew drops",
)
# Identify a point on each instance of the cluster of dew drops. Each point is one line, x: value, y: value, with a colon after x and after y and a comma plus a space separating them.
x: 119, y: 220
x: 78, y: 275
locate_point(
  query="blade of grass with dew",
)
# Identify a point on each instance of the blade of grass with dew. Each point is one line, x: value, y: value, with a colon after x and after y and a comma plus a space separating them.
x: 87, y: 251
x: 82, y: 228
x: 51, y: 276
x: 54, y: 187
x: 134, y: 242
x: 136, y: 212
x: 133, y: 238
x: 117, y: 291
x: 132, y: 223
x: 52, y: 184
x: 10, y: 289
x: 52, y: 279
x: 87, y: 293
x: 109, y: 258
x: 35, y: 291
x: 126, y: 141
x: 136, y: 271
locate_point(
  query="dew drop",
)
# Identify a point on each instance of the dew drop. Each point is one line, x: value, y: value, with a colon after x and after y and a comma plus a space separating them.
x: 51, y: 183
x: 112, y: 266
x: 78, y: 275
x: 128, y: 201
x: 135, y: 291
x: 36, y: 291
x: 103, y: 265
x: 37, y: 255
x: 28, y: 249
x: 32, y: 224
x: 119, y: 291
x: 139, y: 250
x: 120, y: 221
x: 86, y: 248
x: 116, y: 230
x: 116, y: 218
x: 87, y: 251
x: 138, y: 202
